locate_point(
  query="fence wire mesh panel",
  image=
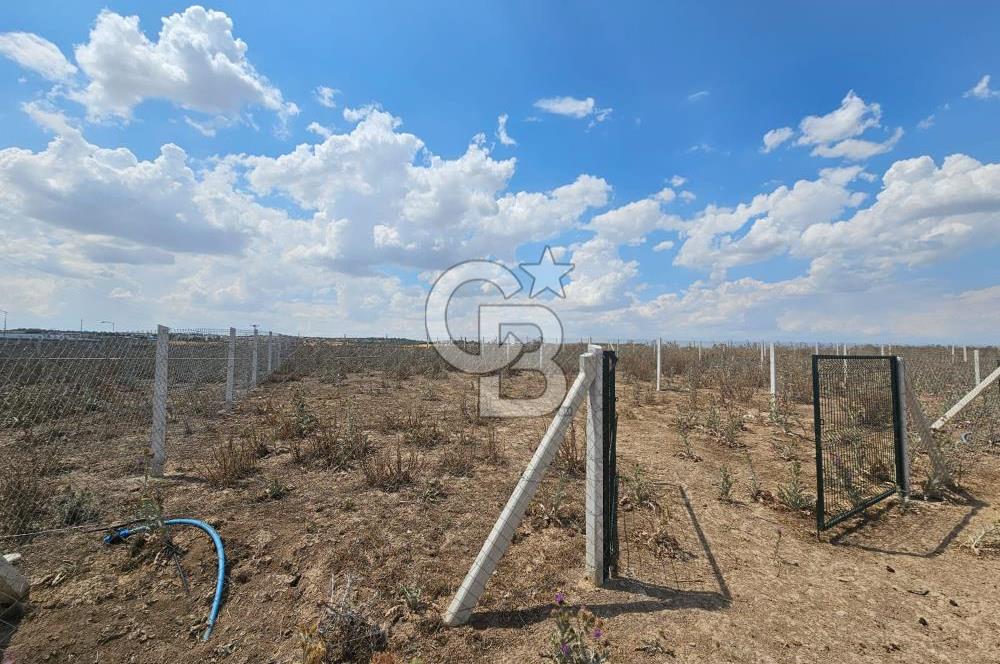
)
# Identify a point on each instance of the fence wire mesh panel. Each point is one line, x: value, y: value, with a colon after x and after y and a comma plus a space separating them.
x: 661, y: 545
x: 77, y: 413
x: 858, y: 434
x: 74, y: 407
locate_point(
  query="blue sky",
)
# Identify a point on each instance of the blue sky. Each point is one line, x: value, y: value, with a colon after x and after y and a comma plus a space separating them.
x: 637, y: 94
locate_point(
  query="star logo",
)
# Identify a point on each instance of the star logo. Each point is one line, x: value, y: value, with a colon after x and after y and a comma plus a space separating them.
x: 547, y: 274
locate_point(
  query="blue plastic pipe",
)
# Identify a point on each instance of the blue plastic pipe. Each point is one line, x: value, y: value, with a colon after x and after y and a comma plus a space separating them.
x: 125, y: 533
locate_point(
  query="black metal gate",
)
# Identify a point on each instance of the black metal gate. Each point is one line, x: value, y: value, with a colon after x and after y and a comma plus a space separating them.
x: 860, y: 458
x: 610, y: 422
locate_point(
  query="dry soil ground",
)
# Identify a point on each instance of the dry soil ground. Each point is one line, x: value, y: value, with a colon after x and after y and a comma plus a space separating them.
x: 703, y: 579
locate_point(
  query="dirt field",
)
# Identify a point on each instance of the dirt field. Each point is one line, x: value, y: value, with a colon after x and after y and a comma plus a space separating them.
x: 704, y: 578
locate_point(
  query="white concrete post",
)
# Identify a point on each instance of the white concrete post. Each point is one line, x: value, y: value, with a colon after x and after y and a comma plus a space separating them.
x: 500, y: 537
x: 816, y: 348
x: 231, y: 369
x: 761, y: 355
x: 699, y: 351
x: 965, y: 354
x: 659, y: 364
x: 254, y: 360
x: 595, y: 468
x: 277, y: 350
x: 881, y: 349
x: 270, y: 351
x: 975, y: 362
x: 158, y: 433
x: 774, y: 377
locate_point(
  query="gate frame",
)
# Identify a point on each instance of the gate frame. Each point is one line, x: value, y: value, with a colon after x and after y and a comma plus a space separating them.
x: 901, y: 481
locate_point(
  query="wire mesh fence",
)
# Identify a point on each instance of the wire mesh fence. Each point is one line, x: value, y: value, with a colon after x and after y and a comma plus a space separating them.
x: 77, y: 411
x: 78, y: 408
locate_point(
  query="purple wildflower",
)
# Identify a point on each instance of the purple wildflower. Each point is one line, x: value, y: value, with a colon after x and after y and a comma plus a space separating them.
x: 598, y: 633
x: 565, y: 648
x: 560, y: 598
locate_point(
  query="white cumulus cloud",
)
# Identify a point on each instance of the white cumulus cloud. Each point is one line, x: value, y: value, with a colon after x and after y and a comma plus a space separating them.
x: 195, y: 63
x: 36, y: 54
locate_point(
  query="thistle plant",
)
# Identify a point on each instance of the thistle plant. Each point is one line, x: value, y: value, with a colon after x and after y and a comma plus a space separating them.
x: 579, y: 637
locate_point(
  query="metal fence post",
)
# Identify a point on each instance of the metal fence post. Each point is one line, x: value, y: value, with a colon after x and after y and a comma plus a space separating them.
x: 253, y: 361
x: 903, y: 453
x: 231, y: 368
x: 158, y: 434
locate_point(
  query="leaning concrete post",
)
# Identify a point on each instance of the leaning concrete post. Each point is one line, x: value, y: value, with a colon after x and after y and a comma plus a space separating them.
x: 270, y: 351
x: 975, y: 362
x: 595, y: 466
x: 158, y: 434
x: 231, y: 368
x: 659, y: 364
x: 253, y: 361
x: 500, y: 537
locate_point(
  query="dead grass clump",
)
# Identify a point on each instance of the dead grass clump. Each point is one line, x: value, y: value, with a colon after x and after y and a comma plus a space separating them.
x: 23, y: 493
x: 297, y: 424
x: 459, y: 459
x: 388, y: 472
x: 76, y: 507
x: 338, y: 448
x: 424, y: 435
x: 639, y: 492
x: 571, y: 458
x: 552, y: 509
x: 346, y: 631
x: 662, y: 543
x: 393, y: 420
x: 493, y: 447
x: 470, y: 411
x: 231, y: 461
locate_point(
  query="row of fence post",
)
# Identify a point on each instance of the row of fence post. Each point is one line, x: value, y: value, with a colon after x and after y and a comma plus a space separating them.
x: 158, y: 431
x: 844, y: 351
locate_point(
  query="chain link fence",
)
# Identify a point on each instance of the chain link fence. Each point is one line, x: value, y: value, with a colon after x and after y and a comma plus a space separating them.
x: 79, y: 408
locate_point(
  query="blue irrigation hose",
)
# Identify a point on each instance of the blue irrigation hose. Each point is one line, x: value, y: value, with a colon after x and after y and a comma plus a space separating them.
x: 125, y: 533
